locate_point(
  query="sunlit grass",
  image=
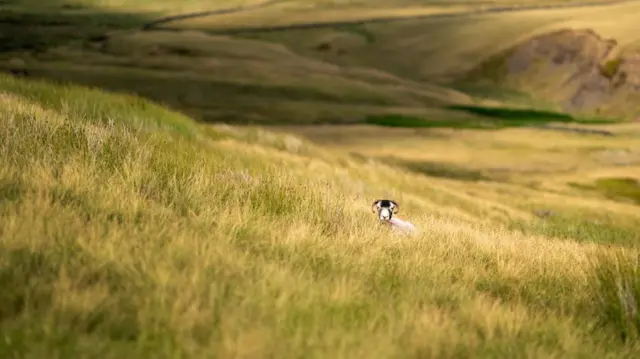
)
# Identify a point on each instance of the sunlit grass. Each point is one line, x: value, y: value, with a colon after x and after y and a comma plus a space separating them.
x: 123, y: 237
x: 126, y: 230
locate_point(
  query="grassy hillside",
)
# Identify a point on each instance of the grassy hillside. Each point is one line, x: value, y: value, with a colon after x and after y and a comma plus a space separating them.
x: 209, y: 76
x: 336, y: 74
x: 172, y: 7
x: 461, y: 42
x: 128, y: 230
x: 445, y: 50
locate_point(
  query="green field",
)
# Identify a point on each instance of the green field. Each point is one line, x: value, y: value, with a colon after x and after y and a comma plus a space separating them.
x: 176, y: 193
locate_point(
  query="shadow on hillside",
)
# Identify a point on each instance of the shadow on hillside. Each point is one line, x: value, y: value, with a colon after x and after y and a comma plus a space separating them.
x: 27, y: 27
x: 486, y: 118
x: 623, y: 189
x: 31, y: 35
x: 65, y: 43
x: 28, y: 31
x: 434, y: 169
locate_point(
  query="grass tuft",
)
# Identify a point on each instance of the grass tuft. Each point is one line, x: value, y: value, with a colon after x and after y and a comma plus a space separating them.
x: 610, y: 68
x: 618, y: 285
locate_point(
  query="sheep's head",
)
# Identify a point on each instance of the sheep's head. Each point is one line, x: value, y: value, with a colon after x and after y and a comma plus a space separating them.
x: 385, y: 209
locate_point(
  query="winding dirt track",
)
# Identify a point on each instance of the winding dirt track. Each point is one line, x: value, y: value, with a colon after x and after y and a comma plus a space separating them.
x: 195, y: 15
x: 498, y: 9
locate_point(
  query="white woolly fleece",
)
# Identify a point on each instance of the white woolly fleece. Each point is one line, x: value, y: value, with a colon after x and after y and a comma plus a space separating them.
x: 405, y: 226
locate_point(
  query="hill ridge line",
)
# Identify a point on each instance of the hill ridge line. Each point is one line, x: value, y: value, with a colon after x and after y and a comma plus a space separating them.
x: 383, y: 19
x: 171, y: 18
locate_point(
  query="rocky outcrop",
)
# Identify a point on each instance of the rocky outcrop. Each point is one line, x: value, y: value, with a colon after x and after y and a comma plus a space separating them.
x: 577, y: 69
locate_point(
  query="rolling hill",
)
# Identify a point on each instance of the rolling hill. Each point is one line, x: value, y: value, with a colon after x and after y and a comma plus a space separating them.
x: 343, y: 71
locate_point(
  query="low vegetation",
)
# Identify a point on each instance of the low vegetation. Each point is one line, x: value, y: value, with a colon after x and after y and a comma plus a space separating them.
x: 619, y: 188
x: 484, y: 117
x: 610, y: 67
x: 619, y: 290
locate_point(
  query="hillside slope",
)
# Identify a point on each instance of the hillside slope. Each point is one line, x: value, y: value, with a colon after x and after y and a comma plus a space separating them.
x: 446, y: 49
x: 334, y: 74
x: 127, y: 230
x: 577, y: 69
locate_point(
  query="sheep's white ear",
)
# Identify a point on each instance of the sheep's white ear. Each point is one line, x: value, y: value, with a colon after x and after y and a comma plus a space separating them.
x: 394, y: 207
x: 374, y: 206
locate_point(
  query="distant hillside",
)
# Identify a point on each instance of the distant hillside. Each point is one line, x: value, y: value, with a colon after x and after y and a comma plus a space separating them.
x: 577, y: 69
x: 598, y: 80
x: 330, y: 74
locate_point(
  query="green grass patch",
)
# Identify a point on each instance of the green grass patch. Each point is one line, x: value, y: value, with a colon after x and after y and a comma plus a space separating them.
x: 619, y: 188
x: 581, y: 229
x: 506, y: 116
x: 485, y: 118
x: 514, y: 114
x: 610, y: 68
x: 404, y: 121
x: 623, y: 188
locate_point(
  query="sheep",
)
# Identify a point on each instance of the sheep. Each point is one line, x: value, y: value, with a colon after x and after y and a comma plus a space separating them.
x: 386, y: 209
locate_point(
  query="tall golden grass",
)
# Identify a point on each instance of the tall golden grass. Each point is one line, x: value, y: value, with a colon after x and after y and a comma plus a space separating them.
x: 129, y: 231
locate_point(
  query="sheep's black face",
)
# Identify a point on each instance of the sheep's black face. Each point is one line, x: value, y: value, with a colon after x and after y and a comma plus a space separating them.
x: 385, y: 209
